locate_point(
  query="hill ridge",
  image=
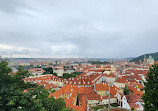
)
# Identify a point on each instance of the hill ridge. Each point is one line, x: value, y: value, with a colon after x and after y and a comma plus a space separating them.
x: 141, y: 58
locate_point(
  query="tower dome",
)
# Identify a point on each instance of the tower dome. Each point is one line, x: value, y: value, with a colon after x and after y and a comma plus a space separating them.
x: 150, y: 60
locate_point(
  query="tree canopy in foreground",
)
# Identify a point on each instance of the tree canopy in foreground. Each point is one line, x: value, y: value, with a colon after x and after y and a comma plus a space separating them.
x: 14, y: 97
x: 150, y: 96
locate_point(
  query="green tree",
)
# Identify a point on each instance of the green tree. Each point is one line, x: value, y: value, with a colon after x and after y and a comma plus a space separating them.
x: 126, y: 91
x: 37, y: 99
x: 50, y: 63
x: 55, y: 74
x: 132, y: 109
x: 13, y: 97
x: 67, y: 75
x: 48, y: 70
x: 150, y: 96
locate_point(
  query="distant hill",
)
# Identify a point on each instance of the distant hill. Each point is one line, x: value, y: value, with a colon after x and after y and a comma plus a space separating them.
x: 137, y: 59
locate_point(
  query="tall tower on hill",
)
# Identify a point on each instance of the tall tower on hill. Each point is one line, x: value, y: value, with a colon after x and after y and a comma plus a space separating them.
x: 145, y: 60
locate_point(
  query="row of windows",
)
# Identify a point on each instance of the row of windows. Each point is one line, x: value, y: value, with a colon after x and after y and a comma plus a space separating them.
x: 91, y: 101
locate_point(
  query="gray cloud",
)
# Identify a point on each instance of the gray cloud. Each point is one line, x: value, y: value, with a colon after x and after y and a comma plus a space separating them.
x: 91, y: 28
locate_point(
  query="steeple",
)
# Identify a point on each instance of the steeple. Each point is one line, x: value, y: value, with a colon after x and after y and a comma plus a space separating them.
x: 150, y: 56
x: 145, y: 60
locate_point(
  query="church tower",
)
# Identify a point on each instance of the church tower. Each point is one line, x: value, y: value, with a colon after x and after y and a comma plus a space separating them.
x: 145, y: 60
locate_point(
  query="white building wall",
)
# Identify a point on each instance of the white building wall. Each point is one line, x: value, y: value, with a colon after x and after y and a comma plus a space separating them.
x: 59, y: 72
x: 93, y: 102
x: 57, y: 83
x: 106, y: 101
x: 141, y: 106
x: 120, y: 85
x: 125, y: 103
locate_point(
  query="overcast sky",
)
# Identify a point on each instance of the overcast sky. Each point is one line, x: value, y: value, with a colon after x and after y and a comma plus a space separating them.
x: 78, y: 28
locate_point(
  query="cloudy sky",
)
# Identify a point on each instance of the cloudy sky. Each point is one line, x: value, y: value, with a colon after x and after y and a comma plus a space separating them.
x: 78, y: 28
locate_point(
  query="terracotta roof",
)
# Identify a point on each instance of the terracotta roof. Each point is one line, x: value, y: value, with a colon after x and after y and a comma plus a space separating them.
x: 107, y: 97
x: 121, y: 80
x: 101, y: 86
x: 93, y: 96
x: 98, y: 67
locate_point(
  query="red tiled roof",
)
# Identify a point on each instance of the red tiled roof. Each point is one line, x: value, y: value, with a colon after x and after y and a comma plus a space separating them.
x: 121, y: 80
x: 101, y: 86
x: 93, y: 96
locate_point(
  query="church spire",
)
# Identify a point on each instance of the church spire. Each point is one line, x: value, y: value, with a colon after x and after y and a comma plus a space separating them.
x: 145, y: 60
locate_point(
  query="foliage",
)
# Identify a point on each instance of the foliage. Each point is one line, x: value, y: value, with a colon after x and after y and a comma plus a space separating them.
x: 98, y: 107
x: 98, y: 62
x: 55, y: 74
x: 50, y: 63
x: 68, y: 109
x: 48, y: 70
x: 37, y: 99
x: 13, y: 97
x: 150, y: 96
x: 114, y: 105
x: 67, y: 75
x: 126, y: 91
x: 132, y: 108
